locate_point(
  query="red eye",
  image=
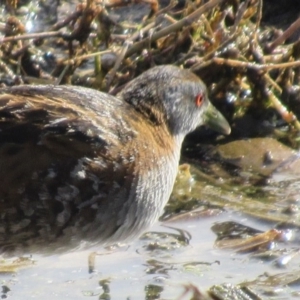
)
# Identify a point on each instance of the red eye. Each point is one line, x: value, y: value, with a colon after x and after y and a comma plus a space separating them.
x: 199, y: 100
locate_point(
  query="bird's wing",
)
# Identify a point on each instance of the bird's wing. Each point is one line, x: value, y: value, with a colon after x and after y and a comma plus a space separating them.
x: 60, y: 159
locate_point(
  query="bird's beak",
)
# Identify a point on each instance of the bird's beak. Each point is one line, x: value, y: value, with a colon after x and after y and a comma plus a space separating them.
x: 215, y: 120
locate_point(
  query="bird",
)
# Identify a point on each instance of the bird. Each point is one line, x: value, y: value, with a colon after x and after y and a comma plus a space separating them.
x: 82, y: 166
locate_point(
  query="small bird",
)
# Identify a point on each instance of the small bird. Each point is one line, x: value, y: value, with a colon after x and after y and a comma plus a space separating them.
x: 80, y: 165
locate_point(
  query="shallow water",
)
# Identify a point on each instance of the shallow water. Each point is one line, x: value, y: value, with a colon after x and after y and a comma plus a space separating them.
x: 130, y: 271
x: 161, y: 263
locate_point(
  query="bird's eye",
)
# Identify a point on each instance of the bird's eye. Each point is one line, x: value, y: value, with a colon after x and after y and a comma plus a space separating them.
x: 199, y: 100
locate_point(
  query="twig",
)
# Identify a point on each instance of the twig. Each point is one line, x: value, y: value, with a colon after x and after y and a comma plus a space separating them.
x: 286, y: 115
x: 85, y: 56
x: 244, y: 64
x: 171, y: 5
x: 239, y: 16
x: 287, y: 33
x: 258, y: 19
x: 188, y: 20
x: 110, y: 76
x: 261, y: 81
x: 232, y: 36
x: 29, y: 36
x: 6, y: 69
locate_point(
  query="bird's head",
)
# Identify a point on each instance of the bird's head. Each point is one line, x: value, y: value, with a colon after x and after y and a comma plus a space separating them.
x: 175, y: 97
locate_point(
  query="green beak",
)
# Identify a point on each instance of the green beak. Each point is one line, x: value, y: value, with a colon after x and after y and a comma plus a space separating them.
x: 215, y: 120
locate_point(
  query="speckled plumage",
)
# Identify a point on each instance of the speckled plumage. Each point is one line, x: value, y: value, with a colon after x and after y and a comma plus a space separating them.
x: 77, y: 164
